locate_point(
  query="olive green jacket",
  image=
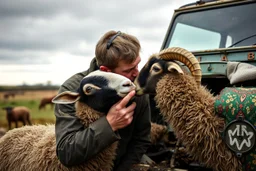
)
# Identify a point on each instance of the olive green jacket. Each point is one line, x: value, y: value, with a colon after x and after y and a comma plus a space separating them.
x: 76, y: 143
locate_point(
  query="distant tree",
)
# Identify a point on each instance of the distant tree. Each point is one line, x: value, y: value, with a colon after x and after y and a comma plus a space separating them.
x: 24, y: 84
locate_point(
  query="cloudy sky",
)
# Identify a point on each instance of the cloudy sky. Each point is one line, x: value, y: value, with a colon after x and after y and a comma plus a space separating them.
x: 48, y: 41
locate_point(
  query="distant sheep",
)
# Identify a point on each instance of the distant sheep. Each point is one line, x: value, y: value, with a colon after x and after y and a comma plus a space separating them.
x: 34, y: 147
x: 45, y: 101
x: 187, y: 106
x: 16, y: 114
x: 8, y: 94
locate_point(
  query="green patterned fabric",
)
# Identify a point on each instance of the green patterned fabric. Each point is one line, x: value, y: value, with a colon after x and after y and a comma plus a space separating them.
x: 235, y: 102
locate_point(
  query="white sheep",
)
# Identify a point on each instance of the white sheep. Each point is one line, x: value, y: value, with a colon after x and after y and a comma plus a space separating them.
x: 34, y: 147
x: 187, y: 106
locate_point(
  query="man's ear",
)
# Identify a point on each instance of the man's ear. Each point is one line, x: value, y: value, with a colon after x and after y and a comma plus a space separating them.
x: 104, y: 68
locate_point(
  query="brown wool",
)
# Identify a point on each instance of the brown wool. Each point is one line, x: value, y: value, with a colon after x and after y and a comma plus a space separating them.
x: 190, y: 111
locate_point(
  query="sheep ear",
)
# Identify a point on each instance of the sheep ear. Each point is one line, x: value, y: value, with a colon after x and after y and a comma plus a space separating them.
x: 174, y: 67
x: 66, y: 97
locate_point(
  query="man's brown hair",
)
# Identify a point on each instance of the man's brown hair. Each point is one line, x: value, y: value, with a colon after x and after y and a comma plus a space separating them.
x: 110, y: 51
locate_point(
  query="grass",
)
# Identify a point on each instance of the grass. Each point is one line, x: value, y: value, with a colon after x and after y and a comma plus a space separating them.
x: 30, y: 99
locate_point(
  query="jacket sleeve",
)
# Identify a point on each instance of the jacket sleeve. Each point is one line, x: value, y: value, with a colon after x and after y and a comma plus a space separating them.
x: 141, y: 136
x: 75, y: 143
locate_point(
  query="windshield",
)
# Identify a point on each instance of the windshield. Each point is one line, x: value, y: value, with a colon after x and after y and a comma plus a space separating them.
x: 232, y: 26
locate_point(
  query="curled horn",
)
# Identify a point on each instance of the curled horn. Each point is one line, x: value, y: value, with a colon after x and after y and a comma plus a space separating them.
x: 186, y: 57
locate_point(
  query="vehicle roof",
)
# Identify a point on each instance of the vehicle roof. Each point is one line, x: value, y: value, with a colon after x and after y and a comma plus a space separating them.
x: 204, y: 3
x: 197, y: 3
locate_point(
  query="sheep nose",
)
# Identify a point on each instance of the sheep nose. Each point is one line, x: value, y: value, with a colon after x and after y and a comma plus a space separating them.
x: 128, y: 84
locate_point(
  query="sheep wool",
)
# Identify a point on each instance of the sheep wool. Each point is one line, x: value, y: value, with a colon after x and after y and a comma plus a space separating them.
x: 2, y: 131
x: 34, y: 148
x: 190, y: 111
x: 158, y: 132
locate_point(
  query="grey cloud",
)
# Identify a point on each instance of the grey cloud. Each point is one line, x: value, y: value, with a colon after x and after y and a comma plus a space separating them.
x: 45, y: 26
x: 25, y: 57
x: 49, y: 8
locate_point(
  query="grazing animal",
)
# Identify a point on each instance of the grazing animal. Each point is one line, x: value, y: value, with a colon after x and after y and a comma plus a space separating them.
x: 34, y: 147
x: 45, y: 101
x: 187, y: 106
x: 16, y: 114
x: 8, y: 94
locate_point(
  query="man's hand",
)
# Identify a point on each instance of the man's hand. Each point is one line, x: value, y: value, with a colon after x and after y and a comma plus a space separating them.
x: 119, y: 116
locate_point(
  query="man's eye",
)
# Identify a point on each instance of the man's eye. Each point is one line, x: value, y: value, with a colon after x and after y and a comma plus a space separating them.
x: 128, y: 71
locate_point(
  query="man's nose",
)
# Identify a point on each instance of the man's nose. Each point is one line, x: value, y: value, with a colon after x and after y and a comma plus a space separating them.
x: 135, y: 72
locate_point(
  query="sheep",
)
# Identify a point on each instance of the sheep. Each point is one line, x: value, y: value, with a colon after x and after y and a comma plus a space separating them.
x: 34, y: 147
x: 8, y: 94
x: 18, y: 113
x: 187, y: 106
x: 44, y: 101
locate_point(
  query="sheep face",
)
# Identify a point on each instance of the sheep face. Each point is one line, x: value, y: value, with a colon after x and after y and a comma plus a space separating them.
x: 99, y: 90
x: 152, y: 72
x: 8, y: 110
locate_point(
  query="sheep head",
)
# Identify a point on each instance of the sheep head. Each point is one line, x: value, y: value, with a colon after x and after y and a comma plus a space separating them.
x: 99, y: 90
x: 163, y: 63
x: 8, y: 109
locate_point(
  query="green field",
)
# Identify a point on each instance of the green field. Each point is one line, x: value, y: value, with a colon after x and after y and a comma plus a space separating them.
x: 31, y: 100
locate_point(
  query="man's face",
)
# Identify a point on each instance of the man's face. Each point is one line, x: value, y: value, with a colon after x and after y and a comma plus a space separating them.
x: 128, y: 70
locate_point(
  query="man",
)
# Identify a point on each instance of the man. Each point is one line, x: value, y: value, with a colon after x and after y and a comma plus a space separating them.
x: 129, y: 124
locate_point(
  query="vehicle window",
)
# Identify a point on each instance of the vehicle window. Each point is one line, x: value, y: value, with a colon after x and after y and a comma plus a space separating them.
x: 182, y: 37
x: 232, y: 26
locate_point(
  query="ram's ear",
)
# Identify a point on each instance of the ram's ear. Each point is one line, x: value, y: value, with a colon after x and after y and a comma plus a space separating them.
x: 174, y: 67
x: 66, y: 97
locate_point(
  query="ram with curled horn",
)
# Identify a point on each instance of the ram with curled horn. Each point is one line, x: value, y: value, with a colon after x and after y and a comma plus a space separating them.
x: 165, y: 62
x: 187, y: 106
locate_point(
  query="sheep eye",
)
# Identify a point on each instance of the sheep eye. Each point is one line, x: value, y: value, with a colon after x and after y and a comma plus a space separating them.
x: 88, y: 89
x: 156, y: 69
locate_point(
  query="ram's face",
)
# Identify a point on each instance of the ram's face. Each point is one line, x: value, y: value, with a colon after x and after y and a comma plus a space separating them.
x: 152, y: 72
